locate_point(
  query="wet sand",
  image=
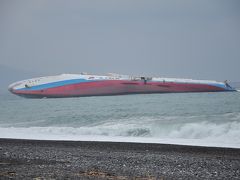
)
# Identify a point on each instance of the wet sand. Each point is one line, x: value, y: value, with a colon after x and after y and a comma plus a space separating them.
x: 31, y: 159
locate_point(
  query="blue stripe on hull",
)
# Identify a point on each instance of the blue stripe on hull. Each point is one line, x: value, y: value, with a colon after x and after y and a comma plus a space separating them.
x: 56, y: 84
x: 223, y: 86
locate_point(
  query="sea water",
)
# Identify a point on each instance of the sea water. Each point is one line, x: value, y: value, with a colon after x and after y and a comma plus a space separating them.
x: 205, y: 119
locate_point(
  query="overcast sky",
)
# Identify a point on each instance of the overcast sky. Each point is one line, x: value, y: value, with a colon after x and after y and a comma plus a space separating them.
x: 197, y: 39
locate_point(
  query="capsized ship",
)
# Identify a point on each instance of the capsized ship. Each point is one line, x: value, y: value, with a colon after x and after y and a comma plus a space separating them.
x: 74, y: 85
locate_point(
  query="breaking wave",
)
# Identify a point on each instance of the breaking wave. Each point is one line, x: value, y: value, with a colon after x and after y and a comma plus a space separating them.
x: 198, y: 133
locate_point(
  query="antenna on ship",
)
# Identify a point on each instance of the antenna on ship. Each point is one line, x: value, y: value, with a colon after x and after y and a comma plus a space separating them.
x: 226, y: 84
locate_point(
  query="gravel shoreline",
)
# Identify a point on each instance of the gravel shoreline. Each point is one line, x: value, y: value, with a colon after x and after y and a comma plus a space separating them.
x: 35, y: 159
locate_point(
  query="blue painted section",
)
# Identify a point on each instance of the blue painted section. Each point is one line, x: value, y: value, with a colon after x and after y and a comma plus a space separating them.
x: 56, y: 84
x: 217, y: 85
x: 222, y: 86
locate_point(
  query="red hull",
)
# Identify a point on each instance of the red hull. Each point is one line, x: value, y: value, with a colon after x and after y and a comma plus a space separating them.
x: 117, y: 87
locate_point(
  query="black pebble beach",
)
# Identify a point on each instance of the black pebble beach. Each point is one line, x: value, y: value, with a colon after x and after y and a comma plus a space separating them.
x: 35, y: 159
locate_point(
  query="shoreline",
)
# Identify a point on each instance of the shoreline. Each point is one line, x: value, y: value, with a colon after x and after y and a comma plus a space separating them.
x: 28, y: 159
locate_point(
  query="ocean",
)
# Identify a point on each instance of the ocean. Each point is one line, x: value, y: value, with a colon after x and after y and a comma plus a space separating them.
x: 203, y: 119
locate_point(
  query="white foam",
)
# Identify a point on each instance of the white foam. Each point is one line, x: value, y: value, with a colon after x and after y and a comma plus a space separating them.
x: 201, y: 134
